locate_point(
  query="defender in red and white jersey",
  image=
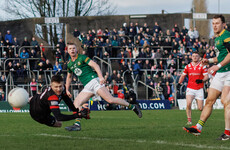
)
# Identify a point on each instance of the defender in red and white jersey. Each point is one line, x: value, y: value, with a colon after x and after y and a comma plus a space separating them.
x: 197, y: 74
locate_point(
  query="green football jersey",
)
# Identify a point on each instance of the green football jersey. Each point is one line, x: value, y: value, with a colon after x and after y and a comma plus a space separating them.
x: 221, y: 50
x: 81, y: 69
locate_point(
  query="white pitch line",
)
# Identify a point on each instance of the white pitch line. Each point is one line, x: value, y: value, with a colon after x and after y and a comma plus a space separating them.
x: 136, y: 141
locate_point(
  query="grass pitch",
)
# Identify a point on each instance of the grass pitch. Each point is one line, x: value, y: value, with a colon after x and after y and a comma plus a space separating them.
x: 113, y: 130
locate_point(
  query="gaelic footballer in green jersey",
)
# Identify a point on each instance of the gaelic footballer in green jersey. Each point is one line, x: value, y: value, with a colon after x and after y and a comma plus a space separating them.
x: 93, y: 82
x: 220, y: 84
x: 81, y: 68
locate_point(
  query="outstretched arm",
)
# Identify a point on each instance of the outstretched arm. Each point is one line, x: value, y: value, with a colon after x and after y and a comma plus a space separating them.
x: 68, y: 82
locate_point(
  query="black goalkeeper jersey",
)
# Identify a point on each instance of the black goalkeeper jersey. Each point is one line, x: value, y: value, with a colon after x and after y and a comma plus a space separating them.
x: 45, y: 103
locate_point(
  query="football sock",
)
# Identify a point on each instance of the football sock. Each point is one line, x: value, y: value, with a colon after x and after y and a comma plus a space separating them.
x: 200, y: 125
x: 131, y: 106
x: 78, y: 122
x: 189, y: 119
x: 227, y: 132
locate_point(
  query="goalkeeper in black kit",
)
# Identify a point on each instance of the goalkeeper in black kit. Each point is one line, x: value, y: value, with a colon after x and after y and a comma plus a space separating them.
x: 41, y: 105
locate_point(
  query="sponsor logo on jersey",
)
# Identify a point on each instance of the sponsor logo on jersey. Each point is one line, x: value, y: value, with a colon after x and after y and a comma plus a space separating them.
x: 54, y: 103
x: 194, y: 74
x: 78, y: 71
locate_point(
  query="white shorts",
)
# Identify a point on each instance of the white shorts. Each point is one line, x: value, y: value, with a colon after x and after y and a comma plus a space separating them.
x: 220, y: 80
x: 199, y: 94
x: 93, y: 86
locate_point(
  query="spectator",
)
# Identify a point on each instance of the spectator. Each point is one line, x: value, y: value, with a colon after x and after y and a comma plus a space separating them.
x: 160, y: 90
x: 76, y: 33
x: 48, y: 65
x: 2, y: 96
x: 25, y: 72
x: 122, y: 56
x: 10, y: 53
x: 196, y: 33
x: 107, y: 78
x: 108, y: 47
x: 26, y: 44
x: 147, y: 66
x: 62, y: 46
x: 131, y: 34
x: 142, y: 54
x: 41, y: 68
x: 35, y: 44
x: 156, y: 26
x: 33, y: 86
x: 167, y: 90
x: 121, y: 32
x: 18, y: 69
x: 88, y: 46
x: 101, y: 46
x: 15, y: 44
x: 3, y: 80
x: 32, y: 62
x: 123, y: 67
x: 149, y: 81
x: 114, y: 46
x: 184, y: 30
x: 8, y: 36
x: 191, y: 33
x: 114, y: 75
x: 135, y: 52
x: 176, y: 28
x: 114, y: 32
x: 115, y: 88
x: 119, y: 79
x: 57, y: 68
x: 125, y: 28
x: 136, y: 69
x: 172, y: 67
x: 24, y: 54
x: 136, y: 28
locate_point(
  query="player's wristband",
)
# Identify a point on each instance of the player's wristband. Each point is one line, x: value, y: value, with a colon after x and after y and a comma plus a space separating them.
x: 219, y: 65
x: 211, y: 60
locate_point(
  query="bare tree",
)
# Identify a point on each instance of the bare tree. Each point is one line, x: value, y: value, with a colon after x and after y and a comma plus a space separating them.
x: 57, y: 8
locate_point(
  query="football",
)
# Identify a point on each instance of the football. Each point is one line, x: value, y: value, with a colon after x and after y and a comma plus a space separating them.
x: 18, y: 97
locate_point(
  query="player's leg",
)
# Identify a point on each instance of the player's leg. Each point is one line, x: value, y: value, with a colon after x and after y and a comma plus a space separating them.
x: 213, y: 94
x: 189, y: 99
x: 225, y: 99
x: 200, y: 104
x: 199, y: 96
x: 104, y: 93
x: 82, y: 98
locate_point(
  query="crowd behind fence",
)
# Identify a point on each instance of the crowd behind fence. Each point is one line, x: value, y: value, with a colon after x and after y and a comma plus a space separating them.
x: 144, y: 58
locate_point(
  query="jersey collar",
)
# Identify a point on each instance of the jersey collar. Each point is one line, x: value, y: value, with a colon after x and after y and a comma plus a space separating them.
x: 194, y: 64
x: 221, y: 32
x: 75, y: 58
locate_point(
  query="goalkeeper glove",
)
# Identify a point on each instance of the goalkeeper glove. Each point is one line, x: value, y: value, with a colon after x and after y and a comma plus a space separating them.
x: 199, y: 81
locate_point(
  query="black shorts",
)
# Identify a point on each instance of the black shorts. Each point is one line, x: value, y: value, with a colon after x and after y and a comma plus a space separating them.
x: 39, y: 116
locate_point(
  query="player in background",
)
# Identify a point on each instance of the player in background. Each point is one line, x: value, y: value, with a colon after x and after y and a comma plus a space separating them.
x: 93, y: 82
x: 220, y: 84
x: 41, y: 105
x: 197, y: 75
